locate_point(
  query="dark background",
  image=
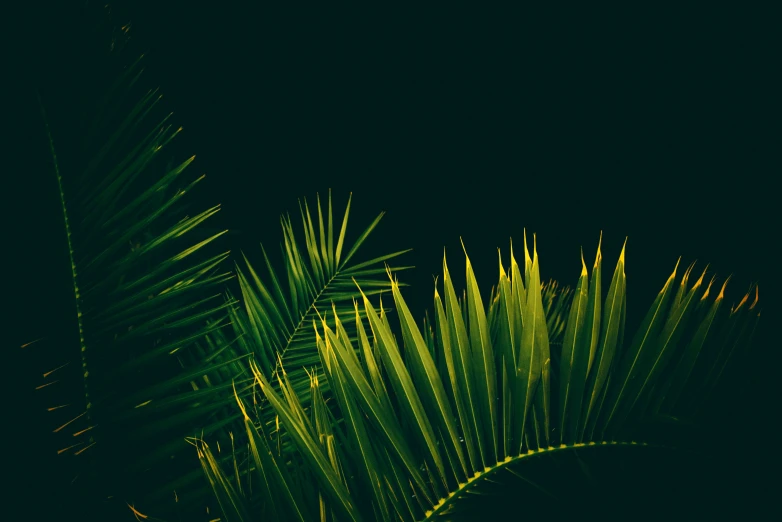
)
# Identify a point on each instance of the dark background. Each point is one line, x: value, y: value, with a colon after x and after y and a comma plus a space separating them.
x: 475, y: 123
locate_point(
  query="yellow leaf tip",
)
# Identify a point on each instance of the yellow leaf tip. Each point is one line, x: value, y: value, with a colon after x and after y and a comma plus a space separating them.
x: 755, y: 302
x: 708, y: 288
x: 700, y: 279
x: 722, y: 290
x: 599, y: 254
x: 741, y: 303
x: 686, y: 275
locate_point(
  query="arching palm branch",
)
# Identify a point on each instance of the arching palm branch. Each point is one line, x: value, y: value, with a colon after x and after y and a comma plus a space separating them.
x: 425, y: 427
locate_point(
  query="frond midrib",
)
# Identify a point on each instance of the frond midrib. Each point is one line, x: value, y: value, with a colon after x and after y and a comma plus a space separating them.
x: 300, y: 325
x: 71, y: 258
x: 479, y: 476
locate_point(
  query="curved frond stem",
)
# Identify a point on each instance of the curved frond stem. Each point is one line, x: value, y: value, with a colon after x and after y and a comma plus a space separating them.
x: 74, y: 275
x: 479, y: 476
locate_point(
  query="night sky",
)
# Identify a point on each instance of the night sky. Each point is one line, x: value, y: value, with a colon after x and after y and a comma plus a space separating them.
x: 458, y: 123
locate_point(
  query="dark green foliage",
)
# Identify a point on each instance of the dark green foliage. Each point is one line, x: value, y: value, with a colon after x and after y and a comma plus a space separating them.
x: 302, y: 399
x: 422, y: 443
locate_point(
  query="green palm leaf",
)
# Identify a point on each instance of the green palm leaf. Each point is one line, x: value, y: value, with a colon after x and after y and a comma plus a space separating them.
x: 574, y: 361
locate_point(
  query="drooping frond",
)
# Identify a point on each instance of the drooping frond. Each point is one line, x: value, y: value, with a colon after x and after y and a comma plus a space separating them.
x: 146, y: 286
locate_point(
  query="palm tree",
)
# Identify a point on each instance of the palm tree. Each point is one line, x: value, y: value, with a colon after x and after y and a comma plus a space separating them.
x: 297, y: 409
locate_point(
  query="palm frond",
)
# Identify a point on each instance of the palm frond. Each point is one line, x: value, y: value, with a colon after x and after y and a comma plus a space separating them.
x: 278, y: 327
x: 146, y: 279
x: 420, y: 441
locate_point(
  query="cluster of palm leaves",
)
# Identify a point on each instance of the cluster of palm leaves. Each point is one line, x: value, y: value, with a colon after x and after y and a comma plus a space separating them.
x: 418, y: 425
x: 299, y: 397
